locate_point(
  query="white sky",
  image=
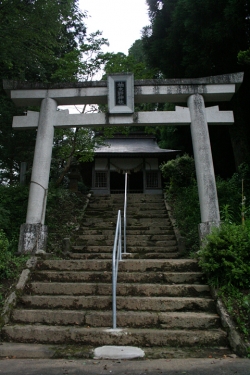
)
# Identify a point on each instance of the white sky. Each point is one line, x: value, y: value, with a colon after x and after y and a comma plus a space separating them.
x: 121, y: 21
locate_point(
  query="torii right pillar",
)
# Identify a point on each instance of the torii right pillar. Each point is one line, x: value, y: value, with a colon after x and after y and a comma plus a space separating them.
x: 209, y: 207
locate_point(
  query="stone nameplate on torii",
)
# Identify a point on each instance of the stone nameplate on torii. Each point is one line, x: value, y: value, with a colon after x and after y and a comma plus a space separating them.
x: 193, y: 92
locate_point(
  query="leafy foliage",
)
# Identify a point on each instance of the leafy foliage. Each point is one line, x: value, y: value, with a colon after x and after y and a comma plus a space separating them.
x: 50, y: 40
x: 43, y: 31
x: 237, y: 302
x: 64, y: 222
x: 182, y: 191
x: 225, y: 256
x: 13, y: 205
x: 197, y: 38
x: 180, y: 28
x: 180, y: 171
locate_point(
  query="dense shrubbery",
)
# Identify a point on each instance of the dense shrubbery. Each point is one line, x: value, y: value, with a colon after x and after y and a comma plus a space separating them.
x: 4, y: 253
x: 179, y: 172
x: 13, y: 206
x: 226, y: 261
x: 181, y: 190
x: 225, y: 254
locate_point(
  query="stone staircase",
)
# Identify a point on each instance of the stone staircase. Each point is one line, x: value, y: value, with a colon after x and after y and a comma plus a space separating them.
x: 163, y: 304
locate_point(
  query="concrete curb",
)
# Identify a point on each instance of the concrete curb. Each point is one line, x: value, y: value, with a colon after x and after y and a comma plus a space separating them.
x: 11, y: 301
x: 180, y: 240
x: 237, y: 343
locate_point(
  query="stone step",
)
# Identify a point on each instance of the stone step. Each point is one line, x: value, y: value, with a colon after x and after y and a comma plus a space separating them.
x: 195, y: 304
x: 130, y: 242
x: 86, y: 289
x: 100, y: 336
x: 132, y: 205
x: 148, y: 231
x: 131, y: 238
x: 145, y: 208
x: 135, y: 265
x: 149, y: 222
x: 119, y: 198
x: 151, y: 249
x: 152, y: 255
x: 92, y: 249
x: 146, y: 214
x: 131, y: 224
x: 79, y: 255
x: 106, y: 277
x: 142, y: 255
x: 138, y: 211
x: 145, y: 199
x: 130, y: 249
x: 130, y: 231
x: 112, y: 215
x: 133, y: 319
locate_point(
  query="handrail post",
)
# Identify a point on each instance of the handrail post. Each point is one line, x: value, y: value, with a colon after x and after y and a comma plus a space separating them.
x: 125, y: 216
x: 115, y: 261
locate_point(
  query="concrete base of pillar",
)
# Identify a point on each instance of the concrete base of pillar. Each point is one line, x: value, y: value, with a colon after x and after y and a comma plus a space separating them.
x: 33, y: 239
x: 206, y: 228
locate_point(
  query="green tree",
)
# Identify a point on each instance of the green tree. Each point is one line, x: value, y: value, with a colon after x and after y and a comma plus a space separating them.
x: 191, y: 38
x: 49, y: 37
x: 119, y: 62
x: 195, y: 38
x: 39, y: 32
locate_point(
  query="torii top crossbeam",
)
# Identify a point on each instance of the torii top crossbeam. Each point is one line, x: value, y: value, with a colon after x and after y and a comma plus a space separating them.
x: 213, y: 89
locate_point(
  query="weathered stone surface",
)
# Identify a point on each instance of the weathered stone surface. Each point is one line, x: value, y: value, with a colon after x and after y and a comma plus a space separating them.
x: 9, y: 304
x: 95, y: 336
x: 122, y: 289
x: 135, y: 277
x: 132, y: 319
x: 189, y: 320
x: 31, y: 263
x: 33, y: 237
x: 134, y: 265
x: 23, y: 279
x: 123, y: 303
x: 47, y: 316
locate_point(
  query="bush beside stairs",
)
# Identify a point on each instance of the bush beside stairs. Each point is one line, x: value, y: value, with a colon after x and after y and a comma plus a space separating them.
x: 163, y: 304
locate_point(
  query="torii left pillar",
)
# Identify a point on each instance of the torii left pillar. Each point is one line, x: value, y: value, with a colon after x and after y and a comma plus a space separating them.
x: 34, y: 234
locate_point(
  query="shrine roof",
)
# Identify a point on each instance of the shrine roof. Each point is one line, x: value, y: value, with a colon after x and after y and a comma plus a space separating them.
x: 131, y: 146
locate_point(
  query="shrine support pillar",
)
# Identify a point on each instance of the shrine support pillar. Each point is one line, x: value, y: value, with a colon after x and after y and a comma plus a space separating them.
x: 209, y: 207
x: 33, y: 234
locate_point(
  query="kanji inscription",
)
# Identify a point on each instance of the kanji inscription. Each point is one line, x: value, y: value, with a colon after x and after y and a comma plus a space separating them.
x: 120, y: 93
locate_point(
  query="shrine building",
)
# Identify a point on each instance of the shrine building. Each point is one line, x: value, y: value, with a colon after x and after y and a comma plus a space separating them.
x: 137, y: 154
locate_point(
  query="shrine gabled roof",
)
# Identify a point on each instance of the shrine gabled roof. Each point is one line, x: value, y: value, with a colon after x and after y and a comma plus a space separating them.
x: 131, y: 146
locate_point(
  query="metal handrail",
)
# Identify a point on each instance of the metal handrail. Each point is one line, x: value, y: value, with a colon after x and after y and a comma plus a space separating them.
x: 125, y: 215
x: 117, y: 256
x: 117, y: 250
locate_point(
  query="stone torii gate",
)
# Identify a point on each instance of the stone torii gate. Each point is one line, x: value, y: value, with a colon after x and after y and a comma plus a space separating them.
x: 121, y: 92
